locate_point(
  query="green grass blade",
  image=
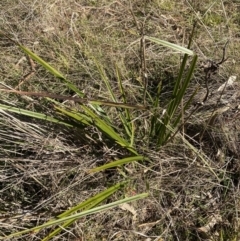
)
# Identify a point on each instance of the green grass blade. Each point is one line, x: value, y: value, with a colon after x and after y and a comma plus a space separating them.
x: 185, y: 84
x: 105, y: 80
x: 160, y: 129
x: 117, y: 163
x: 83, y: 119
x: 181, y: 86
x: 187, y: 104
x: 42, y: 62
x: 126, y: 123
x: 178, y: 83
x: 170, y: 45
x: 100, y: 196
x: 126, y: 117
x: 108, y: 130
x: 91, y: 211
x: 90, y: 118
x: 88, y: 204
x: 51, y: 69
x: 178, y: 94
x: 78, y: 215
x: 33, y: 114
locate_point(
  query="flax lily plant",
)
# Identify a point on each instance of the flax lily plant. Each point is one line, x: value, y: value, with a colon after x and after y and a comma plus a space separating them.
x: 92, y: 113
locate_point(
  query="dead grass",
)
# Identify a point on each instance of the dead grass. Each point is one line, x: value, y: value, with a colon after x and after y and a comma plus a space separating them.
x: 43, y: 167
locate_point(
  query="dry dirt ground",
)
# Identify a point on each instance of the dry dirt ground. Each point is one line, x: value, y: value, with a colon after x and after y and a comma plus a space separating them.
x: 43, y: 166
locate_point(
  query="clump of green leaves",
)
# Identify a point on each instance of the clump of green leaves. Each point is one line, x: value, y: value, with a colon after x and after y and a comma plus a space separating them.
x: 91, y: 113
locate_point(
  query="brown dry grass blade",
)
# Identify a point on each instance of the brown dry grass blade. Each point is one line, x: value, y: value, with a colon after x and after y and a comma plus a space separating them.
x: 77, y: 99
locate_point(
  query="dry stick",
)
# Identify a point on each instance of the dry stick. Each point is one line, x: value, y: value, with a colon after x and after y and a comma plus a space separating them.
x: 182, y: 102
x: 77, y: 99
x: 224, y: 52
x: 134, y: 18
x: 143, y: 65
x: 209, y: 71
x: 28, y: 75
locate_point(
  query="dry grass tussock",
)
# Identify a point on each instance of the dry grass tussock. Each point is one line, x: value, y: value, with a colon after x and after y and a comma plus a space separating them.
x: 193, y: 181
